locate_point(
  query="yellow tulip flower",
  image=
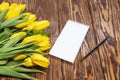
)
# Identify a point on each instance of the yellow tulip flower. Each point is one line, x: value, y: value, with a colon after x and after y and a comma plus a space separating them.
x: 19, y: 33
x: 4, y: 6
x: 35, y: 38
x: 30, y: 19
x: 28, y: 62
x: 19, y: 57
x: 44, y: 44
x: 42, y: 41
x: 40, y: 60
x: 46, y: 38
x: 41, y: 25
x: 30, y: 26
x: 14, y: 10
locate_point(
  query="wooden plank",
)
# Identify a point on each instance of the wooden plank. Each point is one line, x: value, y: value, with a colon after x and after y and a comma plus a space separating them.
x: 64, y: 14
x: 104, y: 13
x: 48, y: 10
x: 14, y: 1
x: 92, y: 64
x: 79, y: 11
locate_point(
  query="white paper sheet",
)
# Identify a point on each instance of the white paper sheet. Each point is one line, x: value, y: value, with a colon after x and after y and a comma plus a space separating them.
x: 69, y: 41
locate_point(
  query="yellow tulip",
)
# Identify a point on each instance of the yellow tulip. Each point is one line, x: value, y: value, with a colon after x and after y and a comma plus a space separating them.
x: 4, y: 6
x: 19, y: 57
x: 30, y: 19
x: 19, y: 33
x: 40, y: 60
x: 28, y: 62
x: 42, y: 41
x: 35, y: 38
x: 30, y: 26
x: 44, y: 44
x: 14, y: 10
x: 41, y: 25
x: 46, y: 38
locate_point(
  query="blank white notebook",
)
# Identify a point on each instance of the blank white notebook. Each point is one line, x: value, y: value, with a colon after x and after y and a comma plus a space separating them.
x: 69, y: 41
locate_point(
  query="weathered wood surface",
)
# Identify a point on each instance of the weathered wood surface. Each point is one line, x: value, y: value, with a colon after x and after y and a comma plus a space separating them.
x: 103, y: 18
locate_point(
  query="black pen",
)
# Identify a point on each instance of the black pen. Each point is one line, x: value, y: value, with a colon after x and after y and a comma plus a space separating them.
x: 94, y: 49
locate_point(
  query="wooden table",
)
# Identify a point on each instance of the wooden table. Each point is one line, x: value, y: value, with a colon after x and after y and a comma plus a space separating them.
x: 103, y: 18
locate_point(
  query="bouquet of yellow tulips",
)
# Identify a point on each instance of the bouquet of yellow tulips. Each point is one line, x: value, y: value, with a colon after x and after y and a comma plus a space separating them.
x: 23, y: 41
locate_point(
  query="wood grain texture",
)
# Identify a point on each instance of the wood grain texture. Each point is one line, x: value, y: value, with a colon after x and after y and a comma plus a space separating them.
x: 103, y: 18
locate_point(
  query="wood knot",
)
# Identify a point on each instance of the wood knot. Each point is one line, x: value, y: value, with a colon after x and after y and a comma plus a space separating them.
x: 81, y: 77
x: 111, y: 41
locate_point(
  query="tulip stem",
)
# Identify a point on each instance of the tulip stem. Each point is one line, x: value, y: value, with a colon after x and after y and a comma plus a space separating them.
x: 17, y: 65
